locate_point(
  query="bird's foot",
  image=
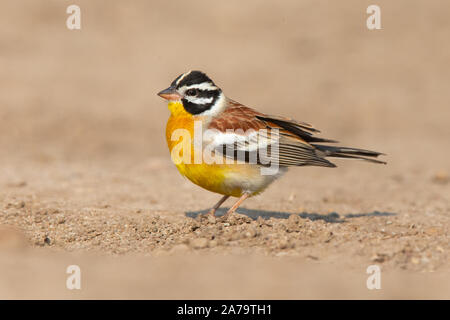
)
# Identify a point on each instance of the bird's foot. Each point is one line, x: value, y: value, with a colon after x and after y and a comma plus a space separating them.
x: 208, y: 217
x: 227, y: 216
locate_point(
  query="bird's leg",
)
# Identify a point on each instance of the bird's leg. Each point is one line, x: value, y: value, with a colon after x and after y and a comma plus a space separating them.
x: 217, y: 205
x: 236, y: 205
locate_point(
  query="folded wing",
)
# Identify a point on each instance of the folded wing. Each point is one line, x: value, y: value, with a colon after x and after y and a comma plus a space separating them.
x: 247, y: 135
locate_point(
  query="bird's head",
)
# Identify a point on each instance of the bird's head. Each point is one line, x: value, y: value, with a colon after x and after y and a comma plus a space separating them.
x: 197, y: 93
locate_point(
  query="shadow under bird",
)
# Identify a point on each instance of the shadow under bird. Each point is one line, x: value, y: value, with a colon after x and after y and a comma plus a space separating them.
x: 250, y: 139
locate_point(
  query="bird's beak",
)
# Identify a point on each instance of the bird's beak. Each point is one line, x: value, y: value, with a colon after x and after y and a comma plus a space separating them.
x: 170, y: 94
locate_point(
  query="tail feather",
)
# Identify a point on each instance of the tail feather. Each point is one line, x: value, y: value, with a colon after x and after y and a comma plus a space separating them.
x: 349, y: 153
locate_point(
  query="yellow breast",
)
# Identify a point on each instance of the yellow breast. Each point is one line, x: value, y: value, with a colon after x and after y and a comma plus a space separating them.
x: 226, y: 179
x: 212, y: 177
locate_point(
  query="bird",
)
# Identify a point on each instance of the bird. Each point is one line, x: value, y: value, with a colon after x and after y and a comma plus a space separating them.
x: 241, y: 141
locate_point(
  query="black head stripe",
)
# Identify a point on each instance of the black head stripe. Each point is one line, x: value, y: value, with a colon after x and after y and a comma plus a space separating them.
x: 197, y: 108
x: 208, y: 93
x: 193, y: 77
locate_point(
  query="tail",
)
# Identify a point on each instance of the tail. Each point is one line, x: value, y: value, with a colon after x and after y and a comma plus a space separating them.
x: 349, y: 153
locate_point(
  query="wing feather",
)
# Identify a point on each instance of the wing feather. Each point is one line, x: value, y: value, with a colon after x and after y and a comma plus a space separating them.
x: 271, y: 138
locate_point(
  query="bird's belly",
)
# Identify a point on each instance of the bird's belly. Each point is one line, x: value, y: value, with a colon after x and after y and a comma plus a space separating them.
x: 232, y: 180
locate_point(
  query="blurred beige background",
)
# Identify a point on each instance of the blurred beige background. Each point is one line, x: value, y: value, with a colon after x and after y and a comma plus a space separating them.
x: 84, y: 159
x: 92, y: 93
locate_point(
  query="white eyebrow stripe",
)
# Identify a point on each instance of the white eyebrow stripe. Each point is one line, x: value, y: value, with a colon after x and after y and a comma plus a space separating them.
x: 218, y: 106
x: 199, y: 100
x: 202, y: 86
x: 182, y: 77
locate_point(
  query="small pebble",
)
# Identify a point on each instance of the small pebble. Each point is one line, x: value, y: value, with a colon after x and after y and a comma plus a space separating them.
x: 251, y: 233
x: 212, y: 244
x: 282, y: 244
x: 199, y: 243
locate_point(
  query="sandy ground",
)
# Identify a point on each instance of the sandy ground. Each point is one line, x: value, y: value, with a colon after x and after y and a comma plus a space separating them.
x: 86, y: 178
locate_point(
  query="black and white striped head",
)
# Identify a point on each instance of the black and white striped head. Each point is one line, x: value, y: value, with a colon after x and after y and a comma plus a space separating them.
x: 197, y: 92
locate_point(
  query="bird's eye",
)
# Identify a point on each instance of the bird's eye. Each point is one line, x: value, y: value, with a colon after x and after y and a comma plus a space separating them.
x: 191, y: 92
